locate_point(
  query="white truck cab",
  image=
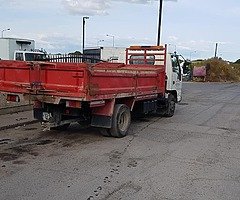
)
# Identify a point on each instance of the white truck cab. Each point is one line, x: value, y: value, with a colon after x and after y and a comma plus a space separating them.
x: 174, y: 75
x: 29, y: 56
x: 174, y: 71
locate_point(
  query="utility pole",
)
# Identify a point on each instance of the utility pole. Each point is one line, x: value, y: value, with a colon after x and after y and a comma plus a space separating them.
x: 83, y: 43
x: 216, y: 50
x: 160, y: 22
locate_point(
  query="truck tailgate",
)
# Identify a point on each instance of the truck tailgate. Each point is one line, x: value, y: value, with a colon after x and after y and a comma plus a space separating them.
x: 59, y: 79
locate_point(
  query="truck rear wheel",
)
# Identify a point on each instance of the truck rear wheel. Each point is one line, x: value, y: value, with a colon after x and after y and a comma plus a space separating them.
x: 121, y: 120
x: 170, y: 106
x: 105, y: 132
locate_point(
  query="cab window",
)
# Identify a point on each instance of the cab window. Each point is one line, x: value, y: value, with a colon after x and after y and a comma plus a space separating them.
x: 19, y: 56
x: 176, y: 66
x: 34, y: 57
x: 139, y: 60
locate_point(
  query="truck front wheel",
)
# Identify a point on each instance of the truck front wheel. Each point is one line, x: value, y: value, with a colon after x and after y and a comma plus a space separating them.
x: 121, y: 120
x: 170, y: 106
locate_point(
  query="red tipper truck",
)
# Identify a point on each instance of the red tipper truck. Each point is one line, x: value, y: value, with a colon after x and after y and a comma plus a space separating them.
x: 102, y: 95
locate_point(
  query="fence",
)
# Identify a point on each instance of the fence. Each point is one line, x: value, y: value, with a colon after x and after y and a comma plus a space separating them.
x: 72, y: 58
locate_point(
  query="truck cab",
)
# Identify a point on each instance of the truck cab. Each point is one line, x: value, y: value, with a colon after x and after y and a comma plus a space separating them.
x: 29, y: 56
x: 174, y: 75
x: 174, y: 70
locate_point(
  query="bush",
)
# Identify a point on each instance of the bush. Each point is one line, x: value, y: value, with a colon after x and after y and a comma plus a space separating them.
x: 219, y: 70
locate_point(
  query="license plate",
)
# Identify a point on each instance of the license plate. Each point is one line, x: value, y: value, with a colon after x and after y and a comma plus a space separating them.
x: 46, y: 116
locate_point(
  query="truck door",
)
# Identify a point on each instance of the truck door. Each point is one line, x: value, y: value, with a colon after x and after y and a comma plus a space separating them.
x: 177, y: 76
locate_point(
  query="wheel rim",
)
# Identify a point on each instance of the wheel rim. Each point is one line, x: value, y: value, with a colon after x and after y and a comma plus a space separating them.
x: 123, y: 121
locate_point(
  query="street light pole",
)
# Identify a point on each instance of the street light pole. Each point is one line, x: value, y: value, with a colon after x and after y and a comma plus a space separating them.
x: 83, y: 43
x: 113, y: 37
x: 216, y: 50
x: 160, y: 22
x: 5, y: 30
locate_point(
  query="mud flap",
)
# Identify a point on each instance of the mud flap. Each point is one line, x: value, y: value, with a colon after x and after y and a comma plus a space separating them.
x: 101, y: 121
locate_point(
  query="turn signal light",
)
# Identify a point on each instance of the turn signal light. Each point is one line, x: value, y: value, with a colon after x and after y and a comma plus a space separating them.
x: 73, y: 104
x: 13, y: 98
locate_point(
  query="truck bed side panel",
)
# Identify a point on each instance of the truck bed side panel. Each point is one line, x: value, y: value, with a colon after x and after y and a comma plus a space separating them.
x: 63, y: 80
x: 126, y: 81
x: 81, y: 81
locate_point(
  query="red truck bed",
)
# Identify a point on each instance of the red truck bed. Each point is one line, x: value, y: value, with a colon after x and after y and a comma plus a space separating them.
x: 102, y: 95
x: 84, y: 82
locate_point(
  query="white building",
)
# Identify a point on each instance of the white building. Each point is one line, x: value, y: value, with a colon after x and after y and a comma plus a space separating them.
x: 9, y: 45
x: 110, y: 54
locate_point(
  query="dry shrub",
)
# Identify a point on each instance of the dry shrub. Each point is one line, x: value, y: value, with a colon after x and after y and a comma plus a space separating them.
x: 220, y: 70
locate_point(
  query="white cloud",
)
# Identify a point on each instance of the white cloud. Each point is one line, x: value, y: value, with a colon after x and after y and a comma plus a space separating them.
x: 75, y: 7
x: 57, y: 42
x: 96, y: 7
x: 83, y: 7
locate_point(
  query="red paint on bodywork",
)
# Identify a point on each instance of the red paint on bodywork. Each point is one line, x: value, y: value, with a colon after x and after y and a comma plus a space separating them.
x: 84, y: 82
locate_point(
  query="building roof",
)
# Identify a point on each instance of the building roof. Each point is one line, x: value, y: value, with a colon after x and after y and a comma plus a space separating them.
x: 17, y: 39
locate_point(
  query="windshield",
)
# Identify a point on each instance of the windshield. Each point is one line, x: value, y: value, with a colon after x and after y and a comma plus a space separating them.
x: 35, y: 57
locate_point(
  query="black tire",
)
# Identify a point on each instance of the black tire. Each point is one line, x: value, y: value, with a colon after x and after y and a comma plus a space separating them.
x: 105, y: 132
x: 170, y: 106
x: 121, y: 121
x: 61, y: 128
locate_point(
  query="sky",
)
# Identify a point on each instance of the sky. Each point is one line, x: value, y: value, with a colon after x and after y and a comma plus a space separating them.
x: 192, y: 27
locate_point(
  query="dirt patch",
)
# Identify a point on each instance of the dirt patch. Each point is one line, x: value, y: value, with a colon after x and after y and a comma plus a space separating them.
x: 8, y: 157
x: 19, y: 162
x: 67, y: 144
x: 33, y: 153
x: 30, y: 129
x: 5, y: 141
x: 44, y: 142
x: 21, y: 149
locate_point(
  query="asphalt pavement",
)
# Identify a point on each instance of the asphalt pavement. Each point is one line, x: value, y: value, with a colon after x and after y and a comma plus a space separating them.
x: 16, y: 119
x: 193, y: 155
